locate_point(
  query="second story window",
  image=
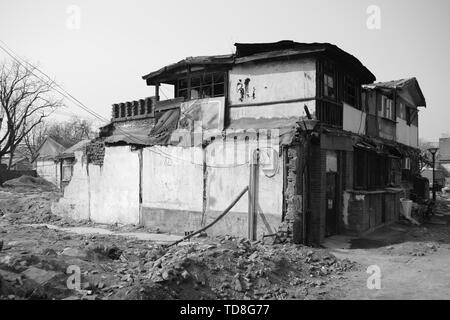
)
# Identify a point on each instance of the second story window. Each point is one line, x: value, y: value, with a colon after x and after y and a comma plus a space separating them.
x: 182, y: 88
x: 350, y: 93
x: 402, y: 111
x: 199, y: 86
x: 386, y: 109
x: 329, y: 86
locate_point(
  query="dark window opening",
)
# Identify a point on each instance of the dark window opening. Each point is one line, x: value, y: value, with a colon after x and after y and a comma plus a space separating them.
x: 329, y: 86
x: 116, y: 111
x: 122, y: 110
x: 371, y: 170
x: 350, y: 93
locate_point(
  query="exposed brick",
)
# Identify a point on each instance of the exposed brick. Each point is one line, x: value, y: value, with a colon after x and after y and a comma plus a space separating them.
x: 95, y: 152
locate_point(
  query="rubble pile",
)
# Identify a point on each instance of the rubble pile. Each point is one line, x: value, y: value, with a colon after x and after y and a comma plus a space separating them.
x: 233, y: 268
x: 31, y: 207
x: 219, y: 268
x: 35, y: 262
x: 28, y: 182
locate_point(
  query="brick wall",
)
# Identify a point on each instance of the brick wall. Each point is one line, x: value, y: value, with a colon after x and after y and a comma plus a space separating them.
x: 95, y: 152
x: 291, y: 228
x: 364, y: 210
x: 293, y: 225
x: 316, y: 223
x: 135, y: 123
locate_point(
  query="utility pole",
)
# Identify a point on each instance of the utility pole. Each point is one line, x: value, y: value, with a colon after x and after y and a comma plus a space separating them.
x: 433, y: 154
x: 253, y: 187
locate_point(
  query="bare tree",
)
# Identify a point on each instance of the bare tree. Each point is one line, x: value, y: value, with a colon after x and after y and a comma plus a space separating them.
x: 35, y: 137
x: 66, y: 133
x: 25, y: 101
x: 70, y: 132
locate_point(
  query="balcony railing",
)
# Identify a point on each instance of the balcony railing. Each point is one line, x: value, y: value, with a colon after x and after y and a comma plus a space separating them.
x: 329, y: 113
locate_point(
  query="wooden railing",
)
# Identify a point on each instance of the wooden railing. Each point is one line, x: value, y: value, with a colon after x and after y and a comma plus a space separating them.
x: 329, y: 113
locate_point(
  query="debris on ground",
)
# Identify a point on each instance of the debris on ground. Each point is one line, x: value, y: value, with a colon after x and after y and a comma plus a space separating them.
x: 30, y: 182
x: 36, y: 262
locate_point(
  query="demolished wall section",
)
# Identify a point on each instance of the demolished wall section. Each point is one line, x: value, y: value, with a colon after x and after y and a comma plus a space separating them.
x: 103, y: 194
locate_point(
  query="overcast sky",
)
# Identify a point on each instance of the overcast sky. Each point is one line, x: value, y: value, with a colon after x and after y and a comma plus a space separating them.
x: 117, y: 42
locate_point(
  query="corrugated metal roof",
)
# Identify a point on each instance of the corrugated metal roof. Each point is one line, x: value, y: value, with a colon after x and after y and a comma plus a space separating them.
x: 408, y: 89
x: 192, y: 61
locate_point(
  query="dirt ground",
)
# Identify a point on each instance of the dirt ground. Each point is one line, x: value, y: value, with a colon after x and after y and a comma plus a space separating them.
x: 41, y: 255
x: 413, y: 260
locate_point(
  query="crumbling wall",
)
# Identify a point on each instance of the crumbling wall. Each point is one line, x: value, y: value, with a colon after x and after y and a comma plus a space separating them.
x: 172, y: 188
x: 135, y: 123
x: 95, y: 152
x: 104, y: 194
x: 75, y: 203
x: 114, y: 187
x: 292, y: 229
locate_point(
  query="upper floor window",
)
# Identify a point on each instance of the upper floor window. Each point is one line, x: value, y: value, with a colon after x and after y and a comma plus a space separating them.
x: 402, y: 111
x: 329, y: 86
x: 350, y: 93
x: 386, y: 109
x: 199, y: 86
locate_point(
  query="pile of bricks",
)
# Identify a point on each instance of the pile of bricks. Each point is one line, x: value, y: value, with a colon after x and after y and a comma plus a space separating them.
x: 95, y: 152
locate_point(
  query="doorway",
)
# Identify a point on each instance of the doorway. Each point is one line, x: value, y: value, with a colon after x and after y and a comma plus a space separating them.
x: 331, y: 219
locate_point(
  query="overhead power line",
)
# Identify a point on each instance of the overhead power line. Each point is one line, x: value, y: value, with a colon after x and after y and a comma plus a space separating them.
x: 59, y: 89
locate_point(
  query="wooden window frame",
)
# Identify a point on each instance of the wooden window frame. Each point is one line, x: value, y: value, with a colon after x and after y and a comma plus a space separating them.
x: 383, y: 109
x: 212, y: 85
x: 350, y: 82
x: 376, y: 171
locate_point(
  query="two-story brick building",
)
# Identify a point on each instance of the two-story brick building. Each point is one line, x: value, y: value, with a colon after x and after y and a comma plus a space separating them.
x: 325, y: 167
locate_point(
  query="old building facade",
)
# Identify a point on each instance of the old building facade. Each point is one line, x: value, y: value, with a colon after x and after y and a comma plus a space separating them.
x: 328, y: 161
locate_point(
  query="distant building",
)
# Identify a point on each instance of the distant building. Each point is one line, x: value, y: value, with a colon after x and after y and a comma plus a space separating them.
x: 66, y: 160
x: 21, y: 159
x: 45, y: 162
